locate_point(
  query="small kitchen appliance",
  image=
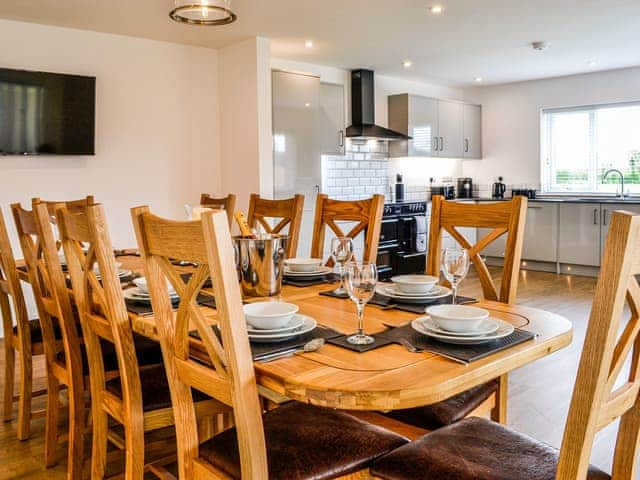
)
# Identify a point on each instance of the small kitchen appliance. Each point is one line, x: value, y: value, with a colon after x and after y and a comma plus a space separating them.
x: 499, y: 189
x: 465, y: 187
x: 399, y: 188
x: 447, y: 191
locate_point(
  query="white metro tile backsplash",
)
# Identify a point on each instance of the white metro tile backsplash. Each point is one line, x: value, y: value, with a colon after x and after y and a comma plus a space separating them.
x: 355, y: 175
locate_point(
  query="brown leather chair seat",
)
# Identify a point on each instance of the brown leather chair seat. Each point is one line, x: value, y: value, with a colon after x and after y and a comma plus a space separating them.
x: 148, y: 352
x: 307, y: 442
x: 473, y: 449
x: 447, y: 411
x: 155, y: 388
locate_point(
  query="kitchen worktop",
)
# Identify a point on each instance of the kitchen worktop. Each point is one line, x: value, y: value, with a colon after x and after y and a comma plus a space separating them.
x: 568, y: 199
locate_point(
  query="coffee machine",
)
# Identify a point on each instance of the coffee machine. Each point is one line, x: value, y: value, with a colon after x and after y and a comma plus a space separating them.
x: 465, y: 187
x: 499, y: 189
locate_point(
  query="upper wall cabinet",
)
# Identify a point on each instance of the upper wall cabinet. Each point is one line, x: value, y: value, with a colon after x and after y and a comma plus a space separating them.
x: 439, y: 128
x: 472, y: 127
x: 332, y: 121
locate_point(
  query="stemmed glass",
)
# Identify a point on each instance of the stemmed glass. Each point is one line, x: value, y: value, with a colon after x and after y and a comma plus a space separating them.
x: 455, y: 265
x: 361, y: 279
x: 341, y: 252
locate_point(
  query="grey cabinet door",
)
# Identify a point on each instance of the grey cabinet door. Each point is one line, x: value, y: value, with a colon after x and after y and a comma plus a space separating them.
x: 423, y: 126
x: 332, y: 121
x: 579, y: 239
x: 607, y: 209
x: 472, y: 125
x: 450, y: 129
x: 541, y: 232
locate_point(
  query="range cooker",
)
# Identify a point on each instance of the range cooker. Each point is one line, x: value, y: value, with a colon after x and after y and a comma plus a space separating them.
x: 403, y: 239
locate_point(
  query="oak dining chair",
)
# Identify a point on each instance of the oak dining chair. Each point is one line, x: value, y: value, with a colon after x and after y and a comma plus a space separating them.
x: 138, y: 399
x: 292, y: 441
x: 286, y: 212
x: 63, y: 361
x: 366, y: 214
x: 502, y: 218
x: 606, y: 389
x: 24, y: 340
x: 228, y: 204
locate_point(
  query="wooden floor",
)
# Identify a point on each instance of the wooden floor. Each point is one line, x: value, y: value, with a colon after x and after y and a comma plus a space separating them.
x: 538, y: 398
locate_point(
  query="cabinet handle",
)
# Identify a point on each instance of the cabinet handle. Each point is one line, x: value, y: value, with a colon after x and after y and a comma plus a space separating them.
x: 466, y: 145
x: 595, y: 216
x: 604, y: 217
x: 435, y: 147
x: 341, y: 138
x: 441, y: 144
x: 535, y: 207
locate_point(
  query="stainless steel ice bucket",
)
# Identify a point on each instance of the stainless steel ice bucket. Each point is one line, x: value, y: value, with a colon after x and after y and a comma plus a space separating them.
x: 260, y: 262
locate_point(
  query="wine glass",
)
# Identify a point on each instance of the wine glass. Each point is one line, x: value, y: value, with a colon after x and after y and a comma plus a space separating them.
x: 455, y: 265
x: 341, y: 252
x: 361, y: 279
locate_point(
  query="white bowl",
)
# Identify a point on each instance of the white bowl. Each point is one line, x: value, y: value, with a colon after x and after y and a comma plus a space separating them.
x: 414, y: 283
x: 458, y: 318
x: 269, y: 315
x: 303, y: 264
x: 141, y: 283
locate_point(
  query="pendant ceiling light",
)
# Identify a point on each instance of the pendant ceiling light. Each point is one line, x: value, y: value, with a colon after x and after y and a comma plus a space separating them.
x: 203, y: 12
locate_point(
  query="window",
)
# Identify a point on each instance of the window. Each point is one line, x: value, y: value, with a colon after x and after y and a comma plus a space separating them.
x: 580, y: 144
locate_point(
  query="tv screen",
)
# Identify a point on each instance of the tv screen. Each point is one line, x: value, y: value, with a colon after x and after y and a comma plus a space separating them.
x: 46, y: 113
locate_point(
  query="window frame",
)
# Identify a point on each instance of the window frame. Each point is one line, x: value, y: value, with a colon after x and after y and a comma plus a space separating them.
x: 546, y: 167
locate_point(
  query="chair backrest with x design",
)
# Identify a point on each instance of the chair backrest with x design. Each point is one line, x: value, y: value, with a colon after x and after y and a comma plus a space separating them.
x: 228, y: 204
x: 48, y: 282
x: 604, y: 391
x: 227, y: 372
x: 502, y: 217
x: 11, y: 292
x: 71, y: 205
x: 366, y: 213
x: 286, y: 212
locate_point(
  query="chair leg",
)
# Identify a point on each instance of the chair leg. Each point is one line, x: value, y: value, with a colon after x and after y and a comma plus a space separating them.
x: 99, y: 443
x: 51, y: 426
x: 26, y: 393
x: 9, y: 377
x: 134, y: 446
x: 499, y: 412
x: 76, y: 433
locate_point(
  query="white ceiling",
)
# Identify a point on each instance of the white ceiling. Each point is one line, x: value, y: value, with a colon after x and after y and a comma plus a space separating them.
x: 471, y: 38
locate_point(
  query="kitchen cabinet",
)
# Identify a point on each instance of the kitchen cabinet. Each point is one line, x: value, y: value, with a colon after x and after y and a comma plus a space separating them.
x: 417, y: 117
x: 541, y: 232
x: 472, y: 127
x: 296, y: 144
x: 437, y: 127
x: 450, y: 129
x: 579, y: 236
x: 606, y: 210
x: 332, y: 119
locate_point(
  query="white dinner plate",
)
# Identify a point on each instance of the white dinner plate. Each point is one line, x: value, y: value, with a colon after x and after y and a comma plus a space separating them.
x: 396, y: 292
x: 296, y: 322
x: 136, y: 295
x: 316, y: 273
x: 504, y: 329
x: 487, y: 327
x: 438, y: 292
x: 121, y: 274
x: 308, y: 324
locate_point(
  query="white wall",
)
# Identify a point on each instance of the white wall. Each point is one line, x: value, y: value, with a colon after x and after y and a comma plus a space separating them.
x: 157, y: 133
x: 511, y: 119
x: 157, y: 128
x: 245, y: 112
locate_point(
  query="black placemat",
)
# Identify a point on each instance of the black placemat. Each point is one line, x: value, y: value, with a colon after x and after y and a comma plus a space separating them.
x: 142, y: 308
x: 332, y: 293
x: 261, y: 350
x: 388, y: 302
x: 379, y: 341
x: 298, y: 282
x: 462, y: 353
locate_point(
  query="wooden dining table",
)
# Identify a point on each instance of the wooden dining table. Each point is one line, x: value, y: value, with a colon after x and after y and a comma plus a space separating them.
x: 390, y: 377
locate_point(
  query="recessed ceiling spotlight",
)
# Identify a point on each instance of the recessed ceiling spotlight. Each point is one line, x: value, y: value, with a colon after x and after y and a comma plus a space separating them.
x: 539, y: 46
x: 308, y: 44
x: 436, y: 9
x: 307, y: 104
x: 407, y: 63
x: 477, y: 79
x: 592, y: 63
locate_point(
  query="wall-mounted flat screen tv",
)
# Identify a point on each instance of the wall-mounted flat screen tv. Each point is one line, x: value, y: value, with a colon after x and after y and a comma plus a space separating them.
x: 46, y: 113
